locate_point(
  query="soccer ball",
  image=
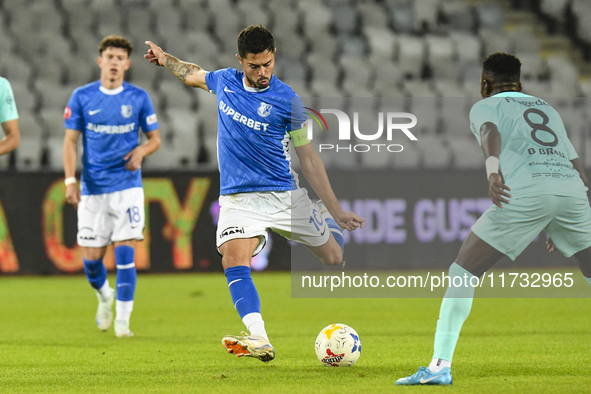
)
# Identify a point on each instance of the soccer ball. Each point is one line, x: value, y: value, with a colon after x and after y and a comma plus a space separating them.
x: 338, y: 345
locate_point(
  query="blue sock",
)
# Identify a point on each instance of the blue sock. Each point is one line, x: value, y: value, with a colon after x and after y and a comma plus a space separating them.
x: 336, y: 231
x: 244, y: 294
x: 126, y: 275
x: 96, y: 272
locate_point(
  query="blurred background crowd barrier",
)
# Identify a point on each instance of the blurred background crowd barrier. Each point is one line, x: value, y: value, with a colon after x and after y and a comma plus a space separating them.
x: 415, y: 219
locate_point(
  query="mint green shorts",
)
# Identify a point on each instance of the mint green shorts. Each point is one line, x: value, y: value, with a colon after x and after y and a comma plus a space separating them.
x: 510, y: 230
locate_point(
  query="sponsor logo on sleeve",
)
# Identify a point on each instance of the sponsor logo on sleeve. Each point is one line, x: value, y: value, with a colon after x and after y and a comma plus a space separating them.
x: 150, y: 120
x: 67, y: 113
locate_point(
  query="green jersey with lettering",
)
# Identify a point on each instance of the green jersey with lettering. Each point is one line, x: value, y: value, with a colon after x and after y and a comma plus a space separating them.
x: 536, y: 153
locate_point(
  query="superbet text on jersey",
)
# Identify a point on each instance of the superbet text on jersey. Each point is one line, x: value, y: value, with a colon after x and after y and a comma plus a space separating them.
x: 253, y: 133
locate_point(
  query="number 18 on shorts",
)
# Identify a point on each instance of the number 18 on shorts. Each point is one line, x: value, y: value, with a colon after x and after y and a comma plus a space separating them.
x: 111, y: 217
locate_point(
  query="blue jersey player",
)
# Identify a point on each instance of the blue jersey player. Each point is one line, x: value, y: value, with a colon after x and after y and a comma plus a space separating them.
x: 258, y: 115
x: 108, y: 114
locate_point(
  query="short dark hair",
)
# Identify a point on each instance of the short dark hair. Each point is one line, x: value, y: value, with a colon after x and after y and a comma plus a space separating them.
x: 115, y: 41
x: 503, y: 67
x: 255, y: 39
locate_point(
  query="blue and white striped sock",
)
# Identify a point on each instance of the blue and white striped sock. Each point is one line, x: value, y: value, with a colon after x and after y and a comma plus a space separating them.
x: 126, y: 281
x: 246, y: 299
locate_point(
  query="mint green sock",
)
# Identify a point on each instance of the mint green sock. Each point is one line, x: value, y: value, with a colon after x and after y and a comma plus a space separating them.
x: 455, y: 309
x: 588, y: 280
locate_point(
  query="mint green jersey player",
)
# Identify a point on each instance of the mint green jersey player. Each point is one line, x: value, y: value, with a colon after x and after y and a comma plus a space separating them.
x: 8, y: 118
x: 547, y: 192
x: 536, y: 153
x: 7, y: 105
x: 544, y: 189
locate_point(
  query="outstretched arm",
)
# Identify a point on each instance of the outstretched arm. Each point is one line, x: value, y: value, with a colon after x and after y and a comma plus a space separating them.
x: 491, y: 146
x: 315, y: 173
x: 191, y: 74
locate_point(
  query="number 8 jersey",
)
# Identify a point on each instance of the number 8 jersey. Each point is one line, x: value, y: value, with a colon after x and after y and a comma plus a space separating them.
x: 536, y: 153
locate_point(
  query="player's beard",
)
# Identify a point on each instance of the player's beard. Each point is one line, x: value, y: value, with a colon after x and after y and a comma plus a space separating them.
x: 256, y: 84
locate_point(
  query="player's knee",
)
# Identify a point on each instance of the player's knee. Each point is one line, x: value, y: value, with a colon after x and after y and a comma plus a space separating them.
x: 334, y: 257
x: 93, y: 253
x: 233, y: 261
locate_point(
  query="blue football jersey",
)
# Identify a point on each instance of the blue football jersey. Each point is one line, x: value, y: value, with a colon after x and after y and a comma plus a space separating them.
x: 109, y: 121
x: 253, y: 133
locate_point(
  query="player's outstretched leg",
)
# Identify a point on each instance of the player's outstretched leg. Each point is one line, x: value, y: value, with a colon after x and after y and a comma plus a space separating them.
x: 247, y: 303
x: 477, y: 256
x: 97, y: 277
x: 455, y: 309
x: 126, y: 281
x: 237, y: 254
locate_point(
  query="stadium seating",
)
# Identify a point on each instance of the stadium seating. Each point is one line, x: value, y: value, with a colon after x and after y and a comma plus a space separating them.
x: 331, y: 48
x: 28, y: 157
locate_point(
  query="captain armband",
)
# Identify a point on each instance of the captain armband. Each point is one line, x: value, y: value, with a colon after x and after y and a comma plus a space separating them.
x: 300, y: 137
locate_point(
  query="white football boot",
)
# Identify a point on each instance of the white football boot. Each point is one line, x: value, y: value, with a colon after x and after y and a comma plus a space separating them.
x: 249, y: 346
x: 122, y: 329
x: 104, y: 313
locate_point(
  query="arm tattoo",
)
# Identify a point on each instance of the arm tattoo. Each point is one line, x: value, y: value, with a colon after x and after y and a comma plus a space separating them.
x: 181, y: 69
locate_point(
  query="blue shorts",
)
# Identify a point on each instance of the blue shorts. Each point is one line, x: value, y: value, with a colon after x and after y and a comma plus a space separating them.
x: 510, y: 230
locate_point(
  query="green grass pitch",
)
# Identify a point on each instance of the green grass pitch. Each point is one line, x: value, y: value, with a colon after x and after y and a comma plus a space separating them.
x: 49, y: 341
